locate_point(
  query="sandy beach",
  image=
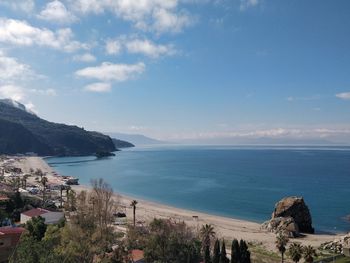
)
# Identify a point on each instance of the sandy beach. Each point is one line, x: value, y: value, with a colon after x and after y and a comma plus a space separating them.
x: 225, y: 227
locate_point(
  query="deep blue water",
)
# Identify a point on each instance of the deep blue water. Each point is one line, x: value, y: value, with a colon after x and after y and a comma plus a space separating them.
x: 241, y: 182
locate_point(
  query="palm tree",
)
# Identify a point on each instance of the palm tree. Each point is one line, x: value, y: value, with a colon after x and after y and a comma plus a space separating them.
x: 24, y: 180
x: 68, y: 188
x: 295, y: 252
x: 133, y: 205
x: 309, y: 253
x: 281, y: 242
x: 61, y: 194
x: 207, y: 232
x: 44, y: 182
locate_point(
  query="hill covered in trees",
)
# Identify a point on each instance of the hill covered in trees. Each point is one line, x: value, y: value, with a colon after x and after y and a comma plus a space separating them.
x: 22, y: 131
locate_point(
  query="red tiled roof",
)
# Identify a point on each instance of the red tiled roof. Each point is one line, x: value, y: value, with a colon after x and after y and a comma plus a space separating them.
x: 35, y: 212
x: 4, y: 198
x: 8, y: 230
x: 137, y: 255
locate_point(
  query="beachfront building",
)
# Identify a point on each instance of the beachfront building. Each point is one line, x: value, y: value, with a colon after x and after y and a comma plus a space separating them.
x: 9, y: 238
x: 49, y: 216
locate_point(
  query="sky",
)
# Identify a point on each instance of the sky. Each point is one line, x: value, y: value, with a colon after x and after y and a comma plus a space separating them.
x: 182, y: 70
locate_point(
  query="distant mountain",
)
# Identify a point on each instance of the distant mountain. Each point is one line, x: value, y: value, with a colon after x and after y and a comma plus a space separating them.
x: 119, y: 144
x: 22, y: 131
x: 136, y: 139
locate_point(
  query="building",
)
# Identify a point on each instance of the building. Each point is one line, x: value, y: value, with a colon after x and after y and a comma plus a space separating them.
x: 137, y: 256
x: 49, y: 216
x: 9, y: 238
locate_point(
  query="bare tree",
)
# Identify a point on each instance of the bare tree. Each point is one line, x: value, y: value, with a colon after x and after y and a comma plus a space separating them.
x: 103, y: 205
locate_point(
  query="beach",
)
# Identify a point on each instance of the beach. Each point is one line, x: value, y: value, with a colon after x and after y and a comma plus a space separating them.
x: 227, y: 228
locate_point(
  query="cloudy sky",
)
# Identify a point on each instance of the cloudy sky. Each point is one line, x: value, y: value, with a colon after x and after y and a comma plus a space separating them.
x: 182, y: 69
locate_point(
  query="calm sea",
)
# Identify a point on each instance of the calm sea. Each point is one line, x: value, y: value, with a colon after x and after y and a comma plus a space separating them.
x: 238, y: 182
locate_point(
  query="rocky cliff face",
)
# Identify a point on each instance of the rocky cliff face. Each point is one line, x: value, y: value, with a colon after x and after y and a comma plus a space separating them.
x: 292, y: 215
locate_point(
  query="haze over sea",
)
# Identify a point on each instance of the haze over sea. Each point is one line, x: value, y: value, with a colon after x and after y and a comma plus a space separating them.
x: 238, y: 182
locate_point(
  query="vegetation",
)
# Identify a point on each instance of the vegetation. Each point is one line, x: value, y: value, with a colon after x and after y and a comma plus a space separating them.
x: 295, y: 252
x: 133, y: 205
x: 281, y: 243
x: 206, y: 233
x: 309, y: 253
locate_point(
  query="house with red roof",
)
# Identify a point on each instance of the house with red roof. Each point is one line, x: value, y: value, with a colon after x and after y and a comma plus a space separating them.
x: 137, y: 256
x: 49, y: 216
x: 9, y: 238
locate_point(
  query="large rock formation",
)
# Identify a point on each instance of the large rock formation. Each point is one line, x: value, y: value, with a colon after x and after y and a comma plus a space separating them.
x: 291, y: 215
x: 282, y: 224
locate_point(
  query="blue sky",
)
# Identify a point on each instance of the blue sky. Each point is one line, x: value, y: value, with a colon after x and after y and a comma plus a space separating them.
x: 182, y: 69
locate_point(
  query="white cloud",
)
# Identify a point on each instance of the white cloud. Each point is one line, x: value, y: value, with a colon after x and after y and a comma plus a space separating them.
x: 56, y: 11
x: 309, y: 98
x: 305, y: 133
x: 343, y: 96
x: 155, y: 15
x: 98, y: 87
x: 45, y: 92
x: 12, y: 92
x: 245, y: 4
x: 113, y: 47
x: 87, y: 57
x: 20, y: 33
x: 22, y: 5
x: 148, y: 48
x: 112, y: 72
x: 11, y: 69
x: 139, y: 46
x: 165, y: 20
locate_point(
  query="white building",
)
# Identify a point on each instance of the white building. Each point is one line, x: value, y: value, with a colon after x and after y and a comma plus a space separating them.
x: 50, y: 217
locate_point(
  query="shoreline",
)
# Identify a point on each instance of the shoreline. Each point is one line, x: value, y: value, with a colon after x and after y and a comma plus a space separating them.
x: 225, y: 227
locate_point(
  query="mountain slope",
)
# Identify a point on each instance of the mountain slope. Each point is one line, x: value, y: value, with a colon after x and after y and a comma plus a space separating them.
x: 122, y: 144
x: 29, y: 133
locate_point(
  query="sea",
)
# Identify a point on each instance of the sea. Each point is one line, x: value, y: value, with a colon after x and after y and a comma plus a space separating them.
x: 241, y: 182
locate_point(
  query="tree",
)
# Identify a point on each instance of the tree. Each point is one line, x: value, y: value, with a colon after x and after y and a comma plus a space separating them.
x: 103, y: 207
x: 171, y: 242
x: 281, y: 242
x: 36, y: 227
x: 133, y: 205
x: 244, y: 252
x: 207, y: 258
x: 223, y: 255
x: 309, y: 253
x: 44, y: 181
x: 206, y: 232
x: 235, y: 252
x: 24, y: 180
x: 295, y: 252
x: 61, y: 195
x: 216, y: 252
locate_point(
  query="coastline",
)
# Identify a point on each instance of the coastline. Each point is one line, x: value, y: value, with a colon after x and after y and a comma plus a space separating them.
x: 225, y: 227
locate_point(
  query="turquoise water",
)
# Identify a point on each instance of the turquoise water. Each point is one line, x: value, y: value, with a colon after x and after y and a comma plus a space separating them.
x: 242, y: 182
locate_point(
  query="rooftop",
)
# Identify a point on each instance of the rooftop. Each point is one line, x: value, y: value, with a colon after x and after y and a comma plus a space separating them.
x: 6, y: 230
x: 35, y: 212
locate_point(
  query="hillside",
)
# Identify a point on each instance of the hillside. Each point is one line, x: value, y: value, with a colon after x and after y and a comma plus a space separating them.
x: 122, y: 144
x: 22, y: 131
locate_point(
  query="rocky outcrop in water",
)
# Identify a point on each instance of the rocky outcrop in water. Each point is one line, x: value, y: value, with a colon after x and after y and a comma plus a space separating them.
x: 291, y: 215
